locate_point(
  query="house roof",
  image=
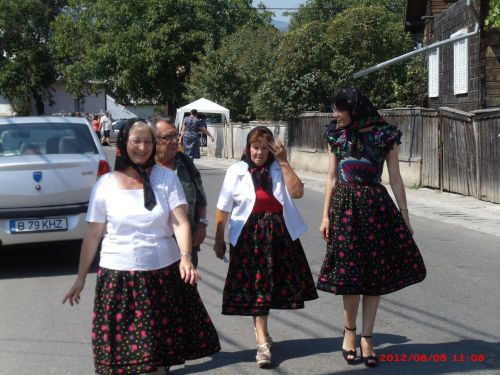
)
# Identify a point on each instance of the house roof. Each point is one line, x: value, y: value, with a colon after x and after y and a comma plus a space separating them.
x: 414, y: 10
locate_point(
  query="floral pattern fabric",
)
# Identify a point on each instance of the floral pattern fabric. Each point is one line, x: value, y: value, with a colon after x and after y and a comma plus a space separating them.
x: 267, y: 270
x: 191, y: 138
x: 147, y: 319
x: 370, y: 250
x: 361, y: 155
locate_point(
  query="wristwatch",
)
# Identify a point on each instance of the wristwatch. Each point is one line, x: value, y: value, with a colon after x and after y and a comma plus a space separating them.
x: 203, y: 221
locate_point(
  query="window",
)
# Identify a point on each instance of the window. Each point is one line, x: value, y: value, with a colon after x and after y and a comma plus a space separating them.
x: 433, y: 68
x: 460, y: 64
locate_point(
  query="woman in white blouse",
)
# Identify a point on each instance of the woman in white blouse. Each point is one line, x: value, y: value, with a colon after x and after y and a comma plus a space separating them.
x: 268, y: 268
x: 146, y: 300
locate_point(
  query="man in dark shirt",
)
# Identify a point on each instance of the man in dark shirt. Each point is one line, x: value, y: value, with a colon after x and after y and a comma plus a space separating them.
x: 168, y: 156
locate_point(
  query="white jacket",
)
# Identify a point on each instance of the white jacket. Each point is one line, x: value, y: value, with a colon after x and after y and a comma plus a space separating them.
x: 238, y: 197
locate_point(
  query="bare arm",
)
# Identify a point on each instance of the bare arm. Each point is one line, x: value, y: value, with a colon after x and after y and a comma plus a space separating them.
x: 205, y: 131
x: 182, y: 231
x: 221, y: 218
x: 331, y: 179
x: 90, y: 244
x: 293, y: 183
x: 397, y: 185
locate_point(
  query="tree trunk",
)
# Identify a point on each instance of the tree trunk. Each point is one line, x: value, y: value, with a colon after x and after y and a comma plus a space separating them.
x: 40, y: 108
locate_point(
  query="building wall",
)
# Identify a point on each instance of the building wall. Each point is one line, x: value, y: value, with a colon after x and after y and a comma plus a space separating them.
x: 5, y: 108
x: 492, y: 57
x: 455, y: 18
x: 65, y: 102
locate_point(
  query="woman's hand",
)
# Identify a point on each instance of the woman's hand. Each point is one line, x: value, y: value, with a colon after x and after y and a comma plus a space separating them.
x: 73, y: 296
x: 189, y: 274
x: 278, y: 150
x: 220, y: 248
x: 406, y: 217
x: 324, y: 228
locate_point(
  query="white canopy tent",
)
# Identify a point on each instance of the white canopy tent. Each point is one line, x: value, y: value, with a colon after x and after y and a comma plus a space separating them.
x: 202, y: 106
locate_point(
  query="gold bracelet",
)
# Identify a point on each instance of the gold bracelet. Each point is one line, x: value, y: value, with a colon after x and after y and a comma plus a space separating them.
x: 187, y: 255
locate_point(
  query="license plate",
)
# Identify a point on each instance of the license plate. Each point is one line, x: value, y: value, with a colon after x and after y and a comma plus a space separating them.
x: 49, y: 224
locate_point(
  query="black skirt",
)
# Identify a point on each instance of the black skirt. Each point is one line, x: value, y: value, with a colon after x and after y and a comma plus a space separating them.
x: 371, y: 250
x: 267, y: 270
x: 147, y: 319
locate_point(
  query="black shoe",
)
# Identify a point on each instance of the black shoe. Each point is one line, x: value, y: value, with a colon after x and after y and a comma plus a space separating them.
x: 371, y: 360
x: 349, y: 355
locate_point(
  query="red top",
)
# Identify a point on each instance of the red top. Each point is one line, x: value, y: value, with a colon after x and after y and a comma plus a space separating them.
x: 265, y: 203
x: 95, y: 125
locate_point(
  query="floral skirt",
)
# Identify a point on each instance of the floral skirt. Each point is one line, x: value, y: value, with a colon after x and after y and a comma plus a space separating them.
x: 267, y: 270
x: 371, y: 250
x: 147, y: 319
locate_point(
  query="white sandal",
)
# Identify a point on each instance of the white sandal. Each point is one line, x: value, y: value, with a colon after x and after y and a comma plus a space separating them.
x: 263, y: 356
x: 269, y: 339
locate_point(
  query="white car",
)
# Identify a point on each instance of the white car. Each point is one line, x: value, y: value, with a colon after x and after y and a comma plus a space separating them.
x: 48, y: 166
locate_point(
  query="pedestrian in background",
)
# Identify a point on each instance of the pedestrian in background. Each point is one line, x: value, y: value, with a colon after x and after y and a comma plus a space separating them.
x: 96, y: 126
x: 370, y: 248
x: 190, y: 137
x: 147, y: 310
x: 268, y: 268
x: 105, y: 126
x: 168, y: 156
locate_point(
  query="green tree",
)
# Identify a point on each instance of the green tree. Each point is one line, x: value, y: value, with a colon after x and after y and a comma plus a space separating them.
x: 142, y: 50
x: 26, y: 62
x: 493, y: 19
x: 301, y: 78
x: 364, y: 36
x: 326, y: 10
x: 232, y: 74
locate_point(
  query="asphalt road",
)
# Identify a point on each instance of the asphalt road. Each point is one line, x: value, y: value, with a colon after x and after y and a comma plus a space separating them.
x: 449, y: 324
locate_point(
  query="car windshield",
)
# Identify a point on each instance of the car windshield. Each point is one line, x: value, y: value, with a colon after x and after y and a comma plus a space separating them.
x: 45, y: 138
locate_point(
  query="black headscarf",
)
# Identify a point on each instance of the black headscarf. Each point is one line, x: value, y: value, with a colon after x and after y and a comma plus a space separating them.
x: 260, y: 175
x: 123, y: 161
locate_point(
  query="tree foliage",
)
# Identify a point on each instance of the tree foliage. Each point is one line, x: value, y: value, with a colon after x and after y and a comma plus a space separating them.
x: 493, y: 19
x: 326, y: 10
x: 232, y: 74
x: 142, y: 50
x: 26, y: 61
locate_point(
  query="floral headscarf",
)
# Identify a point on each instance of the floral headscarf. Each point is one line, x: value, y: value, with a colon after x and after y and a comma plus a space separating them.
x: 260, y: 175
x: 363, y: 115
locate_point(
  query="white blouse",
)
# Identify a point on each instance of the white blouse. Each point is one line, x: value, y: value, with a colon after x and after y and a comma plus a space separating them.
x: 137, y: 239
x: 238, y: 197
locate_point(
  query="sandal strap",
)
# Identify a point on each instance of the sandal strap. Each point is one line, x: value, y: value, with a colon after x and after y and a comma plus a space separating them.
x: 263, y: 349
x: 350, y: 329
x: 366, y: 336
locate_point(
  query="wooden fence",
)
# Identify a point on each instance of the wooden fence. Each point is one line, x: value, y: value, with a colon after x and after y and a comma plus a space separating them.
x: 455, y: 151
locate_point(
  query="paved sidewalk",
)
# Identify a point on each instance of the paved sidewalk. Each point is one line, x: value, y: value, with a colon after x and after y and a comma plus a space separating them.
x: 464, y: 211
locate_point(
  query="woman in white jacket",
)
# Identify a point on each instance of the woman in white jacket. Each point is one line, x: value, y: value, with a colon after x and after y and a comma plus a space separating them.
x: 268, y: 268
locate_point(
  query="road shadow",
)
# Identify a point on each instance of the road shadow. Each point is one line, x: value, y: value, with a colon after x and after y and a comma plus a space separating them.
x: 442, y: 358
x: 41, y: 260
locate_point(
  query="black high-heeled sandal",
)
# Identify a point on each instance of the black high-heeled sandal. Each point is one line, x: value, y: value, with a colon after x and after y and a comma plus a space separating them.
x: 349, y: 355
x: 371, y: 360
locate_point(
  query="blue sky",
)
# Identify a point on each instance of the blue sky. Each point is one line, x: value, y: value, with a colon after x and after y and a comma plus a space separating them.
x: 280, y: 4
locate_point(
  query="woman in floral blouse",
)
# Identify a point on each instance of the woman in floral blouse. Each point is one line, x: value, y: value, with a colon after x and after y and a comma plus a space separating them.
x: 370, y: 248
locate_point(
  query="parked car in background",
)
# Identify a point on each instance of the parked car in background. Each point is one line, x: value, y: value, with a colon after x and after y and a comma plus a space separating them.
x: 48, y: 166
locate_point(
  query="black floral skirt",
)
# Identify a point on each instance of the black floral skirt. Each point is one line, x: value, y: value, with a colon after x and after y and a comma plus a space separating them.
x: 267, y: 270
x: 146, y: 319
x: 371, y: 250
